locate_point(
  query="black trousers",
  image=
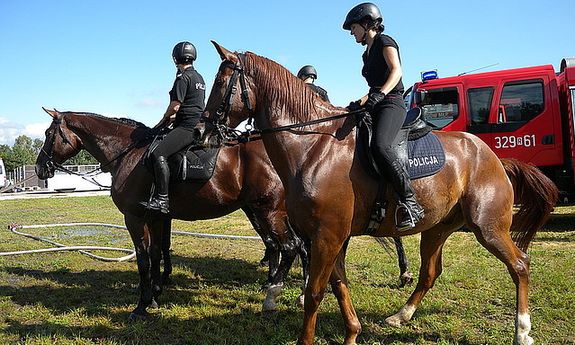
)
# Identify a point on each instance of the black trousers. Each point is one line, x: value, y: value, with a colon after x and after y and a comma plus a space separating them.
x: 176, y: 140
x: 387, y: 118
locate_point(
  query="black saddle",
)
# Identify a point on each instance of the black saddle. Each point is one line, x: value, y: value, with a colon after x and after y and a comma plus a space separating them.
x: 195, y: 163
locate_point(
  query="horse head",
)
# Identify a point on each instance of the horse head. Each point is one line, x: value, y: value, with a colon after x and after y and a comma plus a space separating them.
x: 60, y: 144
x: 226, y: 106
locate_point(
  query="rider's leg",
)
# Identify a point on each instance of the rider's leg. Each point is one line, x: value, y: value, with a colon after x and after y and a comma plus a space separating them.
x: 388, y: 118
x: 176, y: 140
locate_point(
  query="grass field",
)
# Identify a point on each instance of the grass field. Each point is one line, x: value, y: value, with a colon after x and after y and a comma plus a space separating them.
x: 68, y: 298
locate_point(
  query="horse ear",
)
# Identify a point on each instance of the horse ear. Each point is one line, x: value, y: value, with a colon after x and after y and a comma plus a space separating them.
x: 224, y: 53
x: 54, y: 113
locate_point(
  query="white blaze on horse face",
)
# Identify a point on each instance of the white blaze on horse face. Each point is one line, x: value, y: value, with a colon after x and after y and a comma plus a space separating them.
x: 523, y: 326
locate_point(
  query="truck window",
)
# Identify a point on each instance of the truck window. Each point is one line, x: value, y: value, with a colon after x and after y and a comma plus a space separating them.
x: 440, y: 106
x: 479, y: 104
x: 520, y: 102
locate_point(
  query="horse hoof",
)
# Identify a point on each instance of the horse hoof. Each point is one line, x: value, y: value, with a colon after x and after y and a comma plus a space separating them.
x: 405, y: 279
x: 526, y: 340
x: 135, y: 317
x: 268, y: 306
x: 154, y: 304
x: 393, y: 321
x: 300, y: 301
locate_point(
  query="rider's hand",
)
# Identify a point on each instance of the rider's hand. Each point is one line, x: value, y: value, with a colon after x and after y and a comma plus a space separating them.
x: 354, y: 105
x: 373, y: 100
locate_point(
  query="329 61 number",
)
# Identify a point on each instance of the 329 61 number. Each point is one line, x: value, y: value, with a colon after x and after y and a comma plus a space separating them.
x: 509, y: 142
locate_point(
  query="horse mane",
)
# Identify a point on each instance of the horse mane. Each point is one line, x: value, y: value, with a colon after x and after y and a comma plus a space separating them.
x: 120, y: 120
x: 279, y: 84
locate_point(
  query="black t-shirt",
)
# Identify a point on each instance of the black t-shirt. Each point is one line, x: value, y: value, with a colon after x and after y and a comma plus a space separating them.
x: 320, y: 91
x: 375, y: 69
x: 190, y: 90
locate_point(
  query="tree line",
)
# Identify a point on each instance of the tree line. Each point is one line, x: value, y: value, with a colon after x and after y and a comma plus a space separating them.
x: 25, y: 150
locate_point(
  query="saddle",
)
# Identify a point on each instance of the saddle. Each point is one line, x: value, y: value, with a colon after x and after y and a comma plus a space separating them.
x: 419, y: 148
x: 194, y: 163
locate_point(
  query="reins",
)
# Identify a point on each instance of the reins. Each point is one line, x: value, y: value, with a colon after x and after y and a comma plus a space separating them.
x: 90, y: 175
x: 231, y: 136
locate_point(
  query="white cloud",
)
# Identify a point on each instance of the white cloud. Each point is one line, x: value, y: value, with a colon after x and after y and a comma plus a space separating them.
x: 10, y: 131
x: 36, y: 130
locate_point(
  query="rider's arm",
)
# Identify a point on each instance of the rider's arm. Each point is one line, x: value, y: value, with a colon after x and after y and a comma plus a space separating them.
x: 168, y: 117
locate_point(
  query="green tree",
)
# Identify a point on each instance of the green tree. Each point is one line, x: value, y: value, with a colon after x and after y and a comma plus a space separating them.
x: 6, y: 155
x: 23, y: 151
x: 83, y: 157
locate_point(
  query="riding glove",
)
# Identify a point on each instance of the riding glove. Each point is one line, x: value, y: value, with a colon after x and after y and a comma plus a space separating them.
x: 373, y: 100
x: 354, y: 105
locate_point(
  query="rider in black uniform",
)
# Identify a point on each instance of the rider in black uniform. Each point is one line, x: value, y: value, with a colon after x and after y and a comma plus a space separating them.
x: 187, y: 103
x: 382, y: 70
x: 308, y: 74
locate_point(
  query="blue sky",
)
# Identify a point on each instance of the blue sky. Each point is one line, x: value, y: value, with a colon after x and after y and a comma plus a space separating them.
x: 114, y: 57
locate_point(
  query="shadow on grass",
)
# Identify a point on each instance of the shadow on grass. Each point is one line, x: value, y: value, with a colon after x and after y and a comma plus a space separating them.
x: 560, y: 223
x: 230, y: 318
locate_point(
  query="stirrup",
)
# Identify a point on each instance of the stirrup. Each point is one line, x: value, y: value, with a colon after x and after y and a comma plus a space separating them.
x: 157, y: 203
x: 410, y: 217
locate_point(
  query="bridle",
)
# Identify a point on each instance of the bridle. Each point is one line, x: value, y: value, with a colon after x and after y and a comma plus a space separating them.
x: 88, y: 176
x: 227, y: 134
x: 57, y: 121
x: 218, y: 122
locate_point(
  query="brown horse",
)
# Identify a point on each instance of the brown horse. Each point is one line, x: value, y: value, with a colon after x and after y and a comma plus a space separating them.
x: 243, y: 178
x: 329, y: 195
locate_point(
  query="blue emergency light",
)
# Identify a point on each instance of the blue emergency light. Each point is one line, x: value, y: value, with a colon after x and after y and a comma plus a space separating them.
x: 429, y: 75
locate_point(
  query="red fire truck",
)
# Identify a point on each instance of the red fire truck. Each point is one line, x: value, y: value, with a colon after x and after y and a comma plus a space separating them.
x: 524, y: 113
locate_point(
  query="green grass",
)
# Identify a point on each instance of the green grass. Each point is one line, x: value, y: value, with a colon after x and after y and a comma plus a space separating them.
x: 68, y: 298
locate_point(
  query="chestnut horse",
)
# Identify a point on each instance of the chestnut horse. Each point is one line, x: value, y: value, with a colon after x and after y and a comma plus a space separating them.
x: 329, y: 195
x: 243, y: 178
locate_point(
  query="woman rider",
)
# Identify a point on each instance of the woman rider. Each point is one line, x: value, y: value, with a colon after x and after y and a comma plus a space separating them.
x: 187, y: 103
x: 382, y: 70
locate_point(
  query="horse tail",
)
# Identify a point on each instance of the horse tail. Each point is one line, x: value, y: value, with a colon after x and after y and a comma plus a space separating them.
x: 535, y: 194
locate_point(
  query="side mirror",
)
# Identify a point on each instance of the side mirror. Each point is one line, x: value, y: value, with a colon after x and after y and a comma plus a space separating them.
x: 420, y: 96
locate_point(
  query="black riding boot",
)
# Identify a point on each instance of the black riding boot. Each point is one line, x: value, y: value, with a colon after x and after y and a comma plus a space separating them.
x: 160, y: 200
x: 408, y: 211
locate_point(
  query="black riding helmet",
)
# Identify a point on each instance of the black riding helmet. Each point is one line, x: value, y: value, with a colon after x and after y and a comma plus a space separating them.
x: 184, y: 52
x: 307, y: 71
x: 366, y: 10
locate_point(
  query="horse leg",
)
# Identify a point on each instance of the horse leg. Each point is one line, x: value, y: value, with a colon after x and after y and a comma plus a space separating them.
x: 166, y: 245
x: 157, y: 229
x: 500, y: 244
x: 290, y: 245
x: 324, y: 251
x: 272, y: 253
x: 339, y: 285
x: 274, y: 228
x: 140, y: 234
x: 304, y: 251
x: 405, y: 277
x: 430, y: 251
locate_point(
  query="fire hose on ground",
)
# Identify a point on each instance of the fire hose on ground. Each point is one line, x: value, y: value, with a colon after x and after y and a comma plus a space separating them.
x: 14, y: 228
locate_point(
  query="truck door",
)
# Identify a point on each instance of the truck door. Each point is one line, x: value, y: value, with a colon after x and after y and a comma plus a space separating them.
x: 524, y: 125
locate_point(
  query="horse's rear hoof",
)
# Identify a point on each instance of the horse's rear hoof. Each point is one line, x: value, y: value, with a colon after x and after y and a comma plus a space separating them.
x: 154, y: 304
x: 405, y: 279
x: 135, y: 317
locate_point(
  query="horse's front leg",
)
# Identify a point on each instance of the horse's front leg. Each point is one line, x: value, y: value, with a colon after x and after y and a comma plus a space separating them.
x: 339, y: 285
x: 166, y: 245
x: 324, y: 250
x: 156, y: 229
x: 140, y: 234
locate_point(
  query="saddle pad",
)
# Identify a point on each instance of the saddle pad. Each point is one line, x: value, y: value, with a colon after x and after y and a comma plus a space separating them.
x: 426, y: 156
x: 196, y: 164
